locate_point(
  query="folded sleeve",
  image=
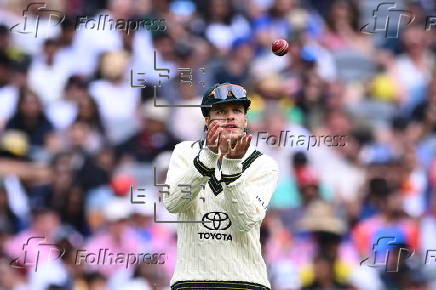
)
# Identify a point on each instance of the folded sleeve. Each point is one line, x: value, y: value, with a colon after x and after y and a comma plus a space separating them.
x: 248, y: 193
x: 185, y: 178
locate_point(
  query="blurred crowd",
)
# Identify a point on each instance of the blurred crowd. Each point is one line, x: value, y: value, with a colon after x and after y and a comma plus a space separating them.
x: 82, y: 144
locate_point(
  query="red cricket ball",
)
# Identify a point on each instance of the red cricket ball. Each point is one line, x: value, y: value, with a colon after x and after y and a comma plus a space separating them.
x: 280, y: 47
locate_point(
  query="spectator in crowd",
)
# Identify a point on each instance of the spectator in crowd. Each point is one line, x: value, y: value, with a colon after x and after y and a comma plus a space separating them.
x: 62, y: 112
x: 183, y: 117
x: 291, y: 201
x: 61, y: 271
x: 117, y: 236
x: 311, y: 99
x: 235, y: 69
x: 154, y: 136
x: 8, y: 219
x: 343, y: 29
x: 52, y: 194
x: 326, y: 239
x: 88, y: 112
x: 116, y: 112
x: 44, y: 227
x: 390, y: 221
x: 324, y: 276
x: 224, y: 25
x: 30, y: 118
x: 415, y: 66
x: 95, y: 280
x: 8, y: 93
x: 45, y: 69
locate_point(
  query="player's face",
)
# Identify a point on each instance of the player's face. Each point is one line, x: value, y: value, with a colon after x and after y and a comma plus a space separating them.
x: 231, y: 117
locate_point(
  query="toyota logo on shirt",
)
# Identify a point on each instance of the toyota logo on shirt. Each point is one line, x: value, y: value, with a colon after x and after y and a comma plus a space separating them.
x: 216, y: 221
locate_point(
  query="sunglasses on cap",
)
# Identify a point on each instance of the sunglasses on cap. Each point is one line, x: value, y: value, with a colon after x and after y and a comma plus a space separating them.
x: 222, y: 92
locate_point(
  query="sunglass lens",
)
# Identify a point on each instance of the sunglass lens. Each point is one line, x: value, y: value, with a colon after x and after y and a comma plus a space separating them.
x: 238, y: 92
x: 222, y: 92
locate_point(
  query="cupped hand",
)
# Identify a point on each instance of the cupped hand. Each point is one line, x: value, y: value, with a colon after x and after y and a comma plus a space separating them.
x: 213, y: 136
x: 240, y: 148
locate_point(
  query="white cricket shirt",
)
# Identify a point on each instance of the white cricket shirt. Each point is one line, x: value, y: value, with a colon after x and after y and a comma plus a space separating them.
x: 225, y: 245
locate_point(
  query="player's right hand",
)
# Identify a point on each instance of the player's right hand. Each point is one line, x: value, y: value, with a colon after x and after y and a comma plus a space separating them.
x: 213, y: 136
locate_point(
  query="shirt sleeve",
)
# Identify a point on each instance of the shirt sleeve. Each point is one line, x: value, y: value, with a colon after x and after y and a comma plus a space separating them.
x: 186, y: 177
x: 247, y: 197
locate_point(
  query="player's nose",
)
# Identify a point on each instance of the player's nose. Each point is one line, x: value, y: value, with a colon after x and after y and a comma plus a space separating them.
x: 230, y: 115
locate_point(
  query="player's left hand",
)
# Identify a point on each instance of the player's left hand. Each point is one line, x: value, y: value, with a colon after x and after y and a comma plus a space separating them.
x: 241, y: 146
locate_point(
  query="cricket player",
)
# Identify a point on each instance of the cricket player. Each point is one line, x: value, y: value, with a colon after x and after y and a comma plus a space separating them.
x: 220, y: 188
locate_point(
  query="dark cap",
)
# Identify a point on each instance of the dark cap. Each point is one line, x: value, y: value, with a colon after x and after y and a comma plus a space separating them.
x: 209, y: 99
